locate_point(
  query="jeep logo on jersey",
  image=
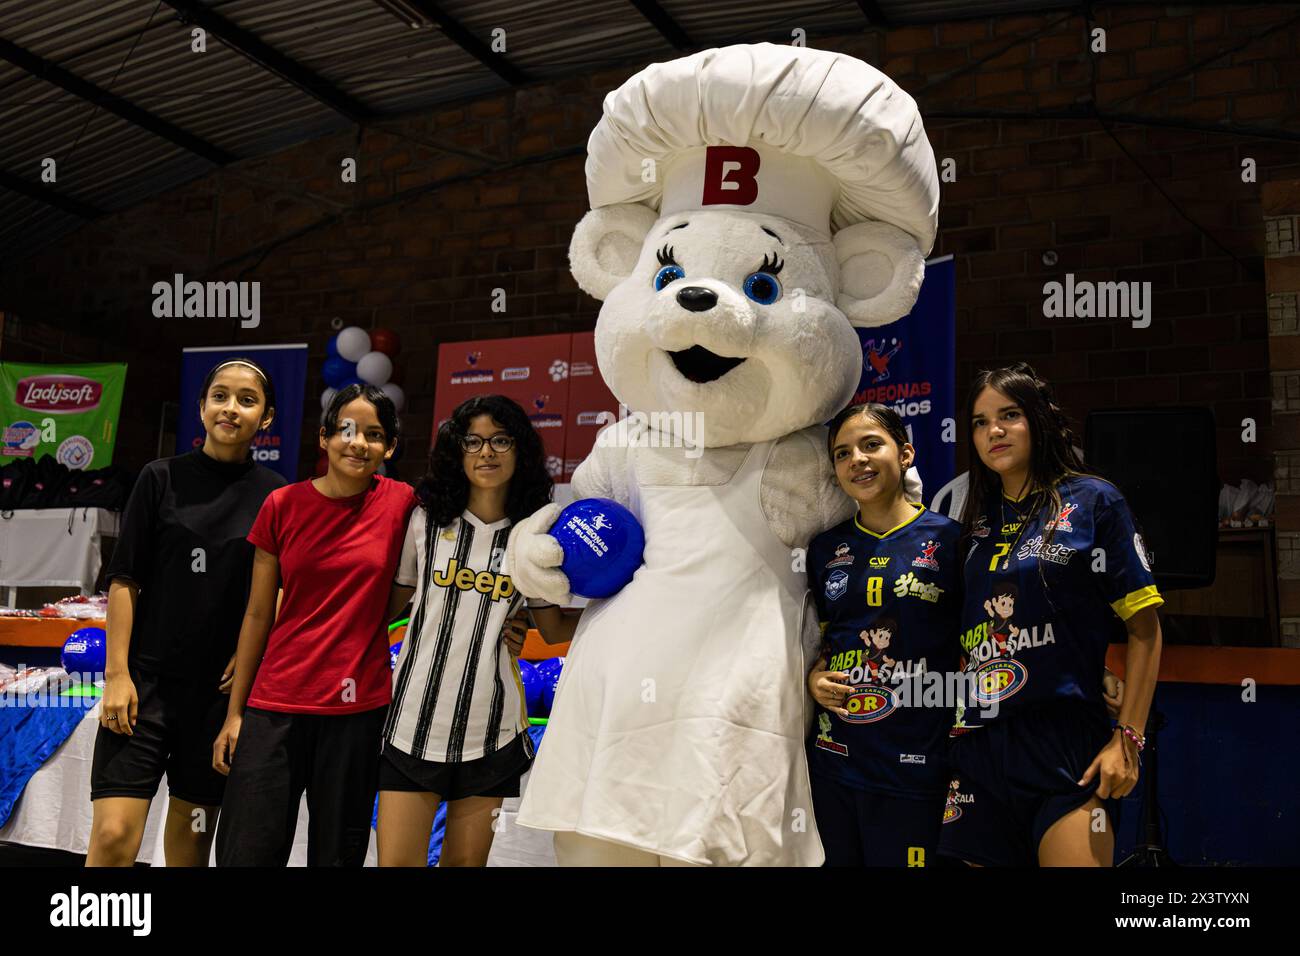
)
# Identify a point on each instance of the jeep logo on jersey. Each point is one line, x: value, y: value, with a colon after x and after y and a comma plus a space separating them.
x: 999, y: 679
x: 58, y: 393
x: 836, y: 584
x: 465, y: 579
x: 869, y: 703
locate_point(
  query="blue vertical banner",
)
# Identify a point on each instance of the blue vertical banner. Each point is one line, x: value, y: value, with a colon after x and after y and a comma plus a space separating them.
x: 911, y: 365
x: 277, y: 447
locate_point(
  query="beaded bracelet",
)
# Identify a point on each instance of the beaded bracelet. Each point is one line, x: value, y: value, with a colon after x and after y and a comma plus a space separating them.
x: 1139, y: 741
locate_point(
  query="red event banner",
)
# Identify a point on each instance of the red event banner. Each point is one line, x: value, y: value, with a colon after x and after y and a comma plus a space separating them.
x: 553, y: 377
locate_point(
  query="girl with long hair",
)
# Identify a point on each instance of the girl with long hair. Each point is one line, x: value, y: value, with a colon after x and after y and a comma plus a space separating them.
x: 1052, y: 555
x: 457, y: 730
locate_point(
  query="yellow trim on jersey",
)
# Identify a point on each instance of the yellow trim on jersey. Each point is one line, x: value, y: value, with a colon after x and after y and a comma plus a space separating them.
x: 1131, y: 603
x: 919, y: 509
x: 523, y: 697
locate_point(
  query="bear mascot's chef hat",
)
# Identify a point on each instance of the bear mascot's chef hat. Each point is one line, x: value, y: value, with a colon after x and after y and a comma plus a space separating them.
x: 814, y: 137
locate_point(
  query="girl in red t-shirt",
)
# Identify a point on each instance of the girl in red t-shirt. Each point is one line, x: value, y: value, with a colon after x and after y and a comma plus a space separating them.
x: 312, y: 679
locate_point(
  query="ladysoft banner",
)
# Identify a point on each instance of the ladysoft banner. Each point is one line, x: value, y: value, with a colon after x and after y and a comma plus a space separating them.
x: 68, y: 411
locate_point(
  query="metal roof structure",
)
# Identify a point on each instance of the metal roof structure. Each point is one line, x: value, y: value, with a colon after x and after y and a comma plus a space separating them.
x: 112, y: 92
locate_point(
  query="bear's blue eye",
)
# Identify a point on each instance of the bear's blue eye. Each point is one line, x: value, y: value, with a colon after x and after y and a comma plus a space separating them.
x: 762, y: 287
x: 667, y: 274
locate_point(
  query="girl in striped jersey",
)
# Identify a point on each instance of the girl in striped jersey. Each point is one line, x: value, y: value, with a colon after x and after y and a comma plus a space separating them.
x: 456, y: 730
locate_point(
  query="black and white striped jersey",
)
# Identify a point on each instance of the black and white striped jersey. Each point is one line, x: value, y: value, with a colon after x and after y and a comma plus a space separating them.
x: 457, y: 695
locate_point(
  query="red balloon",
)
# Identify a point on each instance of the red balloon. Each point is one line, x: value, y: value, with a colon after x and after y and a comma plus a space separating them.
x: 386, y: 341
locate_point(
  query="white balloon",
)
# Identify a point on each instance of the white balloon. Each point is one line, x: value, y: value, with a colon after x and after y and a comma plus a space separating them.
x: 326, y: 397
x: 394, y: 391
x: 353, y: 343
x: 375, y: 368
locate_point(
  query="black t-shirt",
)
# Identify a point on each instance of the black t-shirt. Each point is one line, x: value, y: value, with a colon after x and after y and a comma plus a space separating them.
x: 183, y: 543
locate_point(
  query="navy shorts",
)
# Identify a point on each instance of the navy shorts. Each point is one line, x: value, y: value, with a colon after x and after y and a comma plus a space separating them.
x: 1014, y: 778
x: 868, y: 828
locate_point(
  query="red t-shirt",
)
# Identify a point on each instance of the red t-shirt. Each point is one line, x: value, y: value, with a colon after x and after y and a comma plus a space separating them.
x: 327, y: 652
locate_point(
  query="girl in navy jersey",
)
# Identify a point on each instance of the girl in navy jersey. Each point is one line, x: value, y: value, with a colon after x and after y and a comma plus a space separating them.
x: 887, y: 589
x: 1051, y: 557
x: 179, y: 578
x: 457, y: 730
x: 312, y: 681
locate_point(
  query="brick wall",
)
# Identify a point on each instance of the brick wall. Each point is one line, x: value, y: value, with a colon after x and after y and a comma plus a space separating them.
x: 470, y: 197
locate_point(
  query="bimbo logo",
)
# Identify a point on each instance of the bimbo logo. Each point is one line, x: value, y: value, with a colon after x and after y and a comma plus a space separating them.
x: 730, y: 176
x: 59, y: 393
x: 869, y: 703
x: 999, y: 679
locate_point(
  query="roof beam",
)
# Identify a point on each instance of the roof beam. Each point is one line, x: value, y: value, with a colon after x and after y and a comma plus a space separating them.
x: 666, y: 25
x: 48, y: 196
x: 458, y: 34
x: 875, y: 16
x: 249, y: 45
x: 43, y: 69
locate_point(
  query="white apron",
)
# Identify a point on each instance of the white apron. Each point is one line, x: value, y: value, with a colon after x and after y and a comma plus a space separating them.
x: 680, y: 717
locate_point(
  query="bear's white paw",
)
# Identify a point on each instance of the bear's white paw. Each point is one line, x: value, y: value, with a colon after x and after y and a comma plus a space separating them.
x: 534, y: 558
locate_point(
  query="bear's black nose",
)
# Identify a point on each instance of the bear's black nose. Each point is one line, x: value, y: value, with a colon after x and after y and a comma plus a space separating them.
x: 696, y: 299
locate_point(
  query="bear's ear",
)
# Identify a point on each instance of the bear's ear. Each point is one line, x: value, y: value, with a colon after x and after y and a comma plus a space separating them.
x: 881, y: 268
x: 606, y: 245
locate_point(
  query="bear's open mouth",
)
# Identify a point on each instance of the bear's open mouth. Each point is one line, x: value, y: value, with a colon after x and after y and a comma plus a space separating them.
x: 700, y: 365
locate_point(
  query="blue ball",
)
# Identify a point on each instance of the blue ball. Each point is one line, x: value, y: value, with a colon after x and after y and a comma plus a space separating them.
x: 337, y: 371
x: 532, y: 687
x: 332, y: 347
x: 85, y: 652
x: 603, y: 544
x: 548, y: 672
x: 393, y: 651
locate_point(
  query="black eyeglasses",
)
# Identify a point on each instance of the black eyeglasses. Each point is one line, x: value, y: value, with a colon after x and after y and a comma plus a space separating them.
x: 473, y: 444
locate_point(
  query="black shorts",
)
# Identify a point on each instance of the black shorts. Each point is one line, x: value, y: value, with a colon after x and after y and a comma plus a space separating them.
x: 1015, y: 777
x: 334, y: 758
x: 868, y: 828
x: 496, y: 775
x: 177, y: 723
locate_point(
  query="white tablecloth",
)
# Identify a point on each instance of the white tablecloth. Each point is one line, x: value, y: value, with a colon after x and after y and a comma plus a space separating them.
x: 53, y: 547
x: 55, y: 812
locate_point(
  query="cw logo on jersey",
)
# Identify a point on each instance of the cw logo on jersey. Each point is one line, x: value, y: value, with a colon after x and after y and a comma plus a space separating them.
x: 879, y: 562
x: 467, y: 579
x: 999, y: 679
x: 868, y: 703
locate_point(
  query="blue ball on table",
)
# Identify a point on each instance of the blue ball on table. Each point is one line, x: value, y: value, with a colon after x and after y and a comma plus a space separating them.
x: 85, y: 652
x: 532, y: 687
x: 548, y: 672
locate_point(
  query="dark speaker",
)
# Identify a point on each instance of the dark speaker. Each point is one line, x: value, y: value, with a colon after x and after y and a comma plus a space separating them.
x: 1164, y: 461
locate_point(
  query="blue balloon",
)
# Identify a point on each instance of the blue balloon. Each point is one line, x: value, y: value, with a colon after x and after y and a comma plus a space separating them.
x: 393, y: 651
x: 337, y: 371
x: 332, y: 347
x: 548, y: 672
x: 603, y: 544
x: 532, y: 687
x: 85, y: 651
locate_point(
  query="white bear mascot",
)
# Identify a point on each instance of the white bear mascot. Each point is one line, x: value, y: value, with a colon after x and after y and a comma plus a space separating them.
x: 749, y: 206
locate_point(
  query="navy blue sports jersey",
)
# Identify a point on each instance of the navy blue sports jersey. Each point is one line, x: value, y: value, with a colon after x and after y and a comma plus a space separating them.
x: 1030, y: 638
x: 890, y: 611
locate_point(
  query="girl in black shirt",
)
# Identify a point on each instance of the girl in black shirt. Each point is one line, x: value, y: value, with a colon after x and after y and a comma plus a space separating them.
x: 179, y: 580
